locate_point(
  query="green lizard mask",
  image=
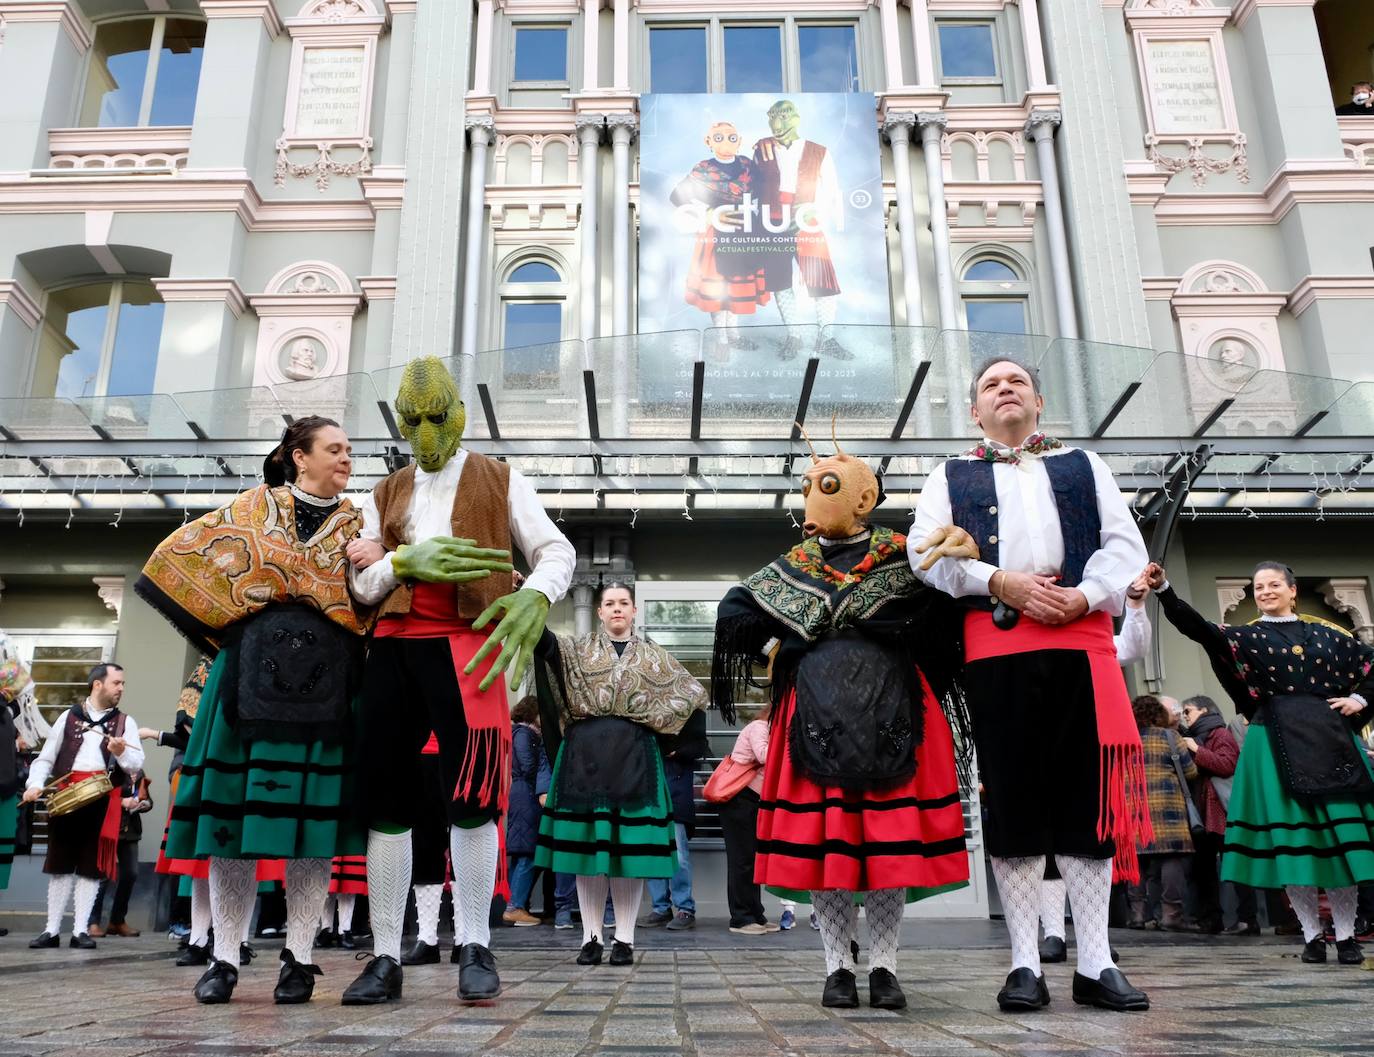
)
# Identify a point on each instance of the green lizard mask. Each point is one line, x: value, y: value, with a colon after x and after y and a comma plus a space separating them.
x: 432, y: 413
x: 783, y: 120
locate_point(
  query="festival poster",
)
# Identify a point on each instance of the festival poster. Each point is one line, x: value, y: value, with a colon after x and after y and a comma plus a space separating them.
x: 762, y: 210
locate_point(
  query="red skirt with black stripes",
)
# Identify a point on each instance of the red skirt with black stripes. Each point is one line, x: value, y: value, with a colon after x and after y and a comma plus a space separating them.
x: 348, y: 875
x: 814, y: 837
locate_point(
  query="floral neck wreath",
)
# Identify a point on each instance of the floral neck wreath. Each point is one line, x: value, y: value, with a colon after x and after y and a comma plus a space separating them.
x: 1036, y: 444
x: 806, y: 558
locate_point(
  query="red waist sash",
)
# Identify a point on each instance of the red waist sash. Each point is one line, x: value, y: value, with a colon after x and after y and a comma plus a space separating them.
x: 1123, y: 803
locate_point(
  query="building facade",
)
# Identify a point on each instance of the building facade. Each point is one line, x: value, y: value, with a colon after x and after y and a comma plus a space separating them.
x: 214, y: 213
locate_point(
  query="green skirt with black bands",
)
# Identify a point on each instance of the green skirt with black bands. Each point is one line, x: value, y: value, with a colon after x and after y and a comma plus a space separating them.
x: 1273, y: 839
x: 9, y: 826
x: 264, y: 800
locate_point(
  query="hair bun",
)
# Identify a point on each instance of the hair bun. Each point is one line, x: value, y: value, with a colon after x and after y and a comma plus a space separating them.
x: 274, y: 468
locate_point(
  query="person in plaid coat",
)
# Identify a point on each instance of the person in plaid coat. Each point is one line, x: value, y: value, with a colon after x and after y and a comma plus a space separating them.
x: 1163, y: 863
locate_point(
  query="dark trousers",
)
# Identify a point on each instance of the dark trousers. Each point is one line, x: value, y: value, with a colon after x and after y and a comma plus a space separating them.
x: 124, y: 886
x: 738, y: 825
x: 1162, y: 877
x: 1206, y: 882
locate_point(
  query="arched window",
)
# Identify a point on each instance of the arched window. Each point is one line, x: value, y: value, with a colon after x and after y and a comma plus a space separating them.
x: 532, y: 319
x: 100, y: 339
x: 143, y: 71
x: 995, y: 296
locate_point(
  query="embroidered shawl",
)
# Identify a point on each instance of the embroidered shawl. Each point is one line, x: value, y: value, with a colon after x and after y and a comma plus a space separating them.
x: 234, y: 562
x: 645, y: 684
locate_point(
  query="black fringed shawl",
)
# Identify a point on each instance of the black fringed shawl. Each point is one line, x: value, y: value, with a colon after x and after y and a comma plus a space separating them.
x: 792, y: 599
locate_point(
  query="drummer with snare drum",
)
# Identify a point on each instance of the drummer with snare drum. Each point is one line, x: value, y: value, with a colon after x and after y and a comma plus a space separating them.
x: 92, y: 749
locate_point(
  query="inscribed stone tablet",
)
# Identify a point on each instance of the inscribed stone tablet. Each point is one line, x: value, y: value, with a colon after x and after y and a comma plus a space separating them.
x: 330, y: 93
x: 1183, y: 85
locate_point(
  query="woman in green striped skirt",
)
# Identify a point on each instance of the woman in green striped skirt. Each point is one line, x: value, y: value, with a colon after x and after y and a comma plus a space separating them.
x: 1301, y: 815
x: 608, y: 817
x: 261, y: 585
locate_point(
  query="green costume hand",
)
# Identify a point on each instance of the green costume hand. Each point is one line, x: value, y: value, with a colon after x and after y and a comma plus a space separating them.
x: 445, y: 560
x: 517, y: 634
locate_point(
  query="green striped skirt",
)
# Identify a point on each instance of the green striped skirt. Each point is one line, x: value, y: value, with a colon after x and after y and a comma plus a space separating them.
x: 608, y: 839
x: 9, y: 826
x: 1274, y: 840
x: 264, y: 800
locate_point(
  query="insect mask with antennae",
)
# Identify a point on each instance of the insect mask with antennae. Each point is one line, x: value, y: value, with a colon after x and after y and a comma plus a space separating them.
x: 840, y: 491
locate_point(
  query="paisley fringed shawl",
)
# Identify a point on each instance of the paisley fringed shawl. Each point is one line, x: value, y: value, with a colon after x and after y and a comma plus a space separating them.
x: 234, y: 562
x: 645, y: 684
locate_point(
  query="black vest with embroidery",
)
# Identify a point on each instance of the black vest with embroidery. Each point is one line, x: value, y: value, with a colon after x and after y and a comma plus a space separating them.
x: 113, y: 723
x: 973, y: 500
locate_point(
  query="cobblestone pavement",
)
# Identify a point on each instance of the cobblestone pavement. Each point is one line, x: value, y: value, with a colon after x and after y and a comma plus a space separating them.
x: 704, y: 997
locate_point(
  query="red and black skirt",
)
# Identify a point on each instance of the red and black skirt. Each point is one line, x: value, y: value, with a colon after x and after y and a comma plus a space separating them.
x: 911, y: 835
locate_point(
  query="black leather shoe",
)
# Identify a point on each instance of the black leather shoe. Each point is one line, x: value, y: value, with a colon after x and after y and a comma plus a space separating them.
x: 420, y: 953
x: 840, y: 992
x: 45, y: 939
x: 194, y: 954
x: 622, y: 954
x: 1315, y: 952
x: 83, y: 941
x: 590, y: 953
x: 884, y: 992
x: 348, y: 941
x: 296, y: 983
x: 1348, y: 952
x: 246, y: 953
x: 1109, y: 991
x: 379, y: 982
x: 1054, y: 949
x: 216, y: 984
x: 1242, y: 928
x: 1023, y: 990
x: 477, y: 977
x: 326, y: 938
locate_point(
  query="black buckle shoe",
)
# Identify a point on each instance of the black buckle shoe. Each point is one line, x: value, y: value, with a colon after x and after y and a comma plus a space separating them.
x: 477, y: 978
x: 1024, y: 991
x: 216, y: 984
x: 194, y: 954
x: 44, y: 940
x: 884, y: 992
x: 1348, y: 952
x: 590, y: 953
x: 83, y: 941
x: 1314, y: 953
x: 379, y: 982
x: 1111, y: 991
x: 296, y: 983
x: 1054, y: 949
x: 420, y: 953
x: 840, y: 992
x: 622, y: 953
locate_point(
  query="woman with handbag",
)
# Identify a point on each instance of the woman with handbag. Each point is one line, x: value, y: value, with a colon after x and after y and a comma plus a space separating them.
x: 1164, y: 861
x: 735, y: 786
x: 1301, y: 815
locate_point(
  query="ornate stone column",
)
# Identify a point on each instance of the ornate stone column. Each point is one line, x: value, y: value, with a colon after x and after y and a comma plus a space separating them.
x: 932, y: 129
x: 584, y: 587
x: 623, y: 128
x: 1040, y: 127
x: 481, y: 130
x: 898, y: 126
x: 589, y: 128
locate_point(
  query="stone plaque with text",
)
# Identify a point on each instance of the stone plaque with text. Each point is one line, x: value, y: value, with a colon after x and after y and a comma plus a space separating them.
x: 1185, y: 93
x: 329, y: 97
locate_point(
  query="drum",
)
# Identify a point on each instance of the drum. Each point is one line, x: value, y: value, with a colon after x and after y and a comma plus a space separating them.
x: 80, y: 794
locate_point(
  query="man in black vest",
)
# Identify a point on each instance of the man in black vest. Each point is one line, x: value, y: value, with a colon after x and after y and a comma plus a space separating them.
x: 1058, y: 751
x: 89, y: 739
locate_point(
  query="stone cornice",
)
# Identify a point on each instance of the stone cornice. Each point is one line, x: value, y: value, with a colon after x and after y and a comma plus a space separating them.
x: 226, y: 291
x: 384, y: 187
x: 1315, y: 288
x: 19, y: 301
x: 300, y: 305
x: 400, y: 7
x: 1241, y: 10
x: 265, y: 10
x: 74, y: 23
x: 1298, y: 182
x: 1159, y: 287
x: 378, y: 287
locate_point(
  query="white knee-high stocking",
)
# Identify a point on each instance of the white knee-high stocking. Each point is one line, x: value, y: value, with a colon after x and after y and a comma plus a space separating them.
x: 1089, y: 883
x: 883, y: 909
x: 626, y: 893
x: 200, y: 911
x: 233, y: 890
x: 60, y: 888
x: 427, y: 901
x: 307, y: 891
x: 388, y: 881
x: 1304, y: 900
x: 1343, y: 902
x: 591, y: 897
x: 1018, y: 883
x: 1052, y: 897
x: 473, y: 853
x: 83, y: 902
x: 347, y: 901
x: 838, y: 918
